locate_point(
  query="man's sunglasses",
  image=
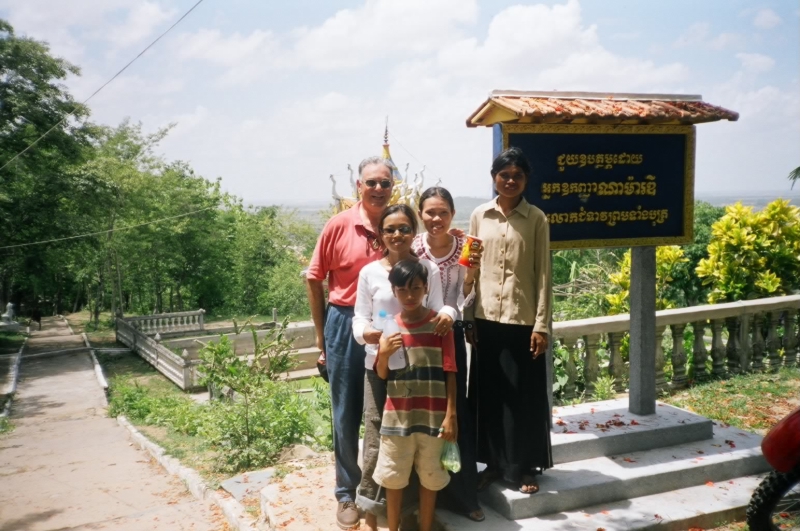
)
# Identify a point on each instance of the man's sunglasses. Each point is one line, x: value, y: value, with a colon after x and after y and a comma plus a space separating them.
x: 402, y: 229
x: 372, y: 183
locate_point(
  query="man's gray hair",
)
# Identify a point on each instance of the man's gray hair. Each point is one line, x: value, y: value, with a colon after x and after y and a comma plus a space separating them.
x: 369, y: 161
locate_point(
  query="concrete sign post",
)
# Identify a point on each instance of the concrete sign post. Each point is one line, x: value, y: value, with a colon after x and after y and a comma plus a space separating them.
x: 642, y: 398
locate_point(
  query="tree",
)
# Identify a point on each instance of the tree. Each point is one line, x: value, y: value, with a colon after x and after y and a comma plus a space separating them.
x: 668, y: 259
x: 753, y: 254
x: 794, y: 175
x: 37, y: 190
x: 687, y: 287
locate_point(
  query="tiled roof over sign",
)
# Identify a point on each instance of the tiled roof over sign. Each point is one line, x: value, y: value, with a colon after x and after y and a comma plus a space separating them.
x: 595, y: 108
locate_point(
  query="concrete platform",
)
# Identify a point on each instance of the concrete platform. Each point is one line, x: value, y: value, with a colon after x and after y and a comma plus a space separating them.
x: 596, y: 429
x: 703, y: 507
x: 730, y: 454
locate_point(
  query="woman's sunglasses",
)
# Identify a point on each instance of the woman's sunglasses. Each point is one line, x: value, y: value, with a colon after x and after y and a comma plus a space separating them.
x: 372, y: 183
x: 402, y: 229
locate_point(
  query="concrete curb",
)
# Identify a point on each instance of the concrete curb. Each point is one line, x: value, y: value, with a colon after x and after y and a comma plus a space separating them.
x: 54, y: 353
x: 268, y: 518
x: 12, y: 386
x: 71, y: 331
x: 234, y: 511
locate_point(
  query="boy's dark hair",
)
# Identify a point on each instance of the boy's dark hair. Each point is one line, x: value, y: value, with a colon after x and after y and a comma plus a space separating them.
x: 512, y: 156
x: 405, y: 271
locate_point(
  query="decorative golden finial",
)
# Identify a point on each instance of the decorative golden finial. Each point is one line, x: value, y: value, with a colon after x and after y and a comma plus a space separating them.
x: 386, y: 133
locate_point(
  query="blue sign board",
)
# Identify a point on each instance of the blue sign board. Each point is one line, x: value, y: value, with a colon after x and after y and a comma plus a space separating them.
x: 609, y: 185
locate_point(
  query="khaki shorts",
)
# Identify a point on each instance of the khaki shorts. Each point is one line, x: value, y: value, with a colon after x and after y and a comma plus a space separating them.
x: 398, y: 454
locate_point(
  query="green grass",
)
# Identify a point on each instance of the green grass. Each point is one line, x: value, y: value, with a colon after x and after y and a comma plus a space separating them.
x: 753, y: 402
x: 5, y: 425
x: 11, y: 341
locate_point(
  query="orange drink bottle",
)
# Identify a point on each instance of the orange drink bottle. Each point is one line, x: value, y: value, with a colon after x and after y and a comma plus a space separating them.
x: 472, y: 244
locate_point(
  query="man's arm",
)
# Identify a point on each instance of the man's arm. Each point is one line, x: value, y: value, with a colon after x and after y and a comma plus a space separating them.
x: 316, y: 301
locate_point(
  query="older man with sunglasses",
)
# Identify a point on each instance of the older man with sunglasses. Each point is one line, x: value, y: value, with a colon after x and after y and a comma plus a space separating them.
x: 348, y: 242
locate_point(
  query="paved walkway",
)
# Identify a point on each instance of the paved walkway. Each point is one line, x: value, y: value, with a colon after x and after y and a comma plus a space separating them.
x: 67, y: 466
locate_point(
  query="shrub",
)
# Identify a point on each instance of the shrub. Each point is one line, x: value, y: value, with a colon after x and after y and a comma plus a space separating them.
x: 753, y: 254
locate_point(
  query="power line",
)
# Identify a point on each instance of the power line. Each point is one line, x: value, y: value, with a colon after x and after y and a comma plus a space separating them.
x: 105, y: 231
x: 395, y: 139
x: 71, y: 113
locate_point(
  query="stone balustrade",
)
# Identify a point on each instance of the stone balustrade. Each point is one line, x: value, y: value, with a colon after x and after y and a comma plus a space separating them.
x: 169, y: 323
x: 761, y: 334
x: 179, y: 369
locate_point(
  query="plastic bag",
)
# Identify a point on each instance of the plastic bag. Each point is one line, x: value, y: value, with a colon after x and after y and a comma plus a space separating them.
x: 451, y: 457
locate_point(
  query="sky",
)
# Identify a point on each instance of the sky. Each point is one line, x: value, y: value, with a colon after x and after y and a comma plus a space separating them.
x: 276, y: 96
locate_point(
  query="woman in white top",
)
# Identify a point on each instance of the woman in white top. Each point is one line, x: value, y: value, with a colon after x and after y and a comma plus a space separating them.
x: 436, y: 208
x: 375, y: 304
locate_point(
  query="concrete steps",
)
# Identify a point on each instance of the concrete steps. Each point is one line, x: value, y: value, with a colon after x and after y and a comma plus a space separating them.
x: 703, y: 507
x: 605, y: 428
x: 588, y: 482
x: 606, y: 455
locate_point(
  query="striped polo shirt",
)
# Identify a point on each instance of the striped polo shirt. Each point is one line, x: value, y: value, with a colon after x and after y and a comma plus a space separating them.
x: 416, y: 397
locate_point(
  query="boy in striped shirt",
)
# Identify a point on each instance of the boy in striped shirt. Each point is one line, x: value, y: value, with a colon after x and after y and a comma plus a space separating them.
x: 420, y: 410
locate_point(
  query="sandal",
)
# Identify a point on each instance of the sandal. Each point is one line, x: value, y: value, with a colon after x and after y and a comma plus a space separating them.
x: 476, y: 515
x: 529, y: 485
x: 486, y: 478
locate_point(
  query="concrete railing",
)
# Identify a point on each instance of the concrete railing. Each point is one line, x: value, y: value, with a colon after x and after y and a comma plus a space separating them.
x: 178, y: 369
x: 762, y: 334
x: 169, y: 323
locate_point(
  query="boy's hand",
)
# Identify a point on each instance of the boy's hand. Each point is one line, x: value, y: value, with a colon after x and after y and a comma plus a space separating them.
x: 389, y: 345
x: 449, y: 431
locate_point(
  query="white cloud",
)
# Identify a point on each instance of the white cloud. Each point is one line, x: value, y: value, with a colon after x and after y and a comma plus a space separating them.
x: 726, y: 40
x: 756, y: 62
x: 382, y: 28
x: 696, y: 34
x: 142, y: 19
x: 699, y: 34
x: 69, y: 27
x: 766, y: 19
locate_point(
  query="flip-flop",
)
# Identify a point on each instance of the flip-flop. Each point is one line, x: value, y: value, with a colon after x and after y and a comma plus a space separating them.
x: 471, y: 515
x: 529, y: 481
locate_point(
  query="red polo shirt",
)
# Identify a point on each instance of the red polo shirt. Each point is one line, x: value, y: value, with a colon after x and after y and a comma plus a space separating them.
x: 343, y: 248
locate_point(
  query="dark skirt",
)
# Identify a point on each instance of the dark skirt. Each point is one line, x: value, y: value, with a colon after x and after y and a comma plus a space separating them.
x: 513, y: 412
x: 461, y: 494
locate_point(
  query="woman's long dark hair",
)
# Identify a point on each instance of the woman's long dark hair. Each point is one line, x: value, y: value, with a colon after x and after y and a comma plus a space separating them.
x: 512, y: 156
x: 437, y: 191
x: 400, y: 208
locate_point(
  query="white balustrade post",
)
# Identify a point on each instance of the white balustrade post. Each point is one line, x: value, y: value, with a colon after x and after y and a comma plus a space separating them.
x: 679, y: 376
x: 790, y: 337
x: 759, y: 346
x: 699, y: 352
x: 717, y: 349
x: 745, y: 344
x: 774, y: 342
x: 616, y: 367
x: 591, y: 365
x: 661, y: 381
x: 202, y: 314
x: 732, y: 350
x: 570, y: 368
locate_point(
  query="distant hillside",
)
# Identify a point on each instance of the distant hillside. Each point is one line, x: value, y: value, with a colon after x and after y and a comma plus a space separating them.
x: 465, y: 205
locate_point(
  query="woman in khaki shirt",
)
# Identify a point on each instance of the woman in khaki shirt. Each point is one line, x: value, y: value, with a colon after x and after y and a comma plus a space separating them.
x: 512, y: 316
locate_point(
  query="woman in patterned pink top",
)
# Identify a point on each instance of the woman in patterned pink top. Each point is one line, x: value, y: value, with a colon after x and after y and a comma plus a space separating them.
x: 436, y: 209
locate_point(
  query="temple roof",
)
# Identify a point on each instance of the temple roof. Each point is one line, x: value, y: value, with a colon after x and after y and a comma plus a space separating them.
x: 512, y: 106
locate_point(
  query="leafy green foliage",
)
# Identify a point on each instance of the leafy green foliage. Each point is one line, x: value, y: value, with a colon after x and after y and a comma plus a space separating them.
x: 667, y: 261
x: 753, y: 254
x: 604, y: 388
